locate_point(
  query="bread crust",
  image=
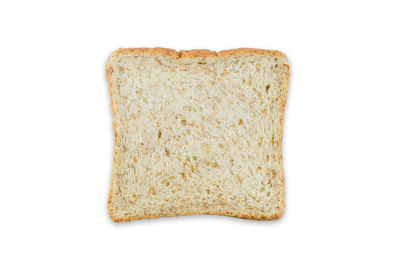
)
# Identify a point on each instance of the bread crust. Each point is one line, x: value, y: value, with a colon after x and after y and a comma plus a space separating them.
x: 197, y: 53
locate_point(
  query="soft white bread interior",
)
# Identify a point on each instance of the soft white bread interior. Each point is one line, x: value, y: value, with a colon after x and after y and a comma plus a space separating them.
x: 197, y: 132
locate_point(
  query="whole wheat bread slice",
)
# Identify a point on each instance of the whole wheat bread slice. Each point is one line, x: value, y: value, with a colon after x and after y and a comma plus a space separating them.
x: 197, y: 132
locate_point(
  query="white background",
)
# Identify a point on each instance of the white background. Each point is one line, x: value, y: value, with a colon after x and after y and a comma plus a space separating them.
x: 341, y: 137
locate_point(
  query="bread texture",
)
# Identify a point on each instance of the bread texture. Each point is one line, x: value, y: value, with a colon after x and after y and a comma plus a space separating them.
x: 197, y: 132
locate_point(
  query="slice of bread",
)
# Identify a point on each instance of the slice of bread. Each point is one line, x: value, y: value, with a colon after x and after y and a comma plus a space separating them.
x: 197, y: 132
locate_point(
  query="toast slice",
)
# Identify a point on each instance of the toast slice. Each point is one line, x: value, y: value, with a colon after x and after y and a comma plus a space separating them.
x: 197, y: 132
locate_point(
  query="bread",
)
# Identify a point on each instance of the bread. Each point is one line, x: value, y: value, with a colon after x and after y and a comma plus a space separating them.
x: 197, y: 132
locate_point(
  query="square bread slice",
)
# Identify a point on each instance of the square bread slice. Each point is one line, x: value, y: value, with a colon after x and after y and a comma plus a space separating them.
x: 197, y: 132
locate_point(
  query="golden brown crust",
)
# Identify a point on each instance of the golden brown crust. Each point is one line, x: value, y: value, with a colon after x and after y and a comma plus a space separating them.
x: 109, y: 73
x: 155, y: 51
x: 198, y: 52
x: 194, y: 54
x: 204, y: 212
x: 286, y: 87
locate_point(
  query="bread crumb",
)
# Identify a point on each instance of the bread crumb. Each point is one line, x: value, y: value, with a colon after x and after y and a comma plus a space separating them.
x: 201, y: 137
